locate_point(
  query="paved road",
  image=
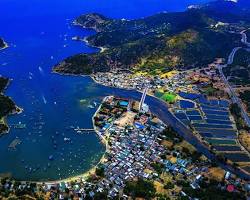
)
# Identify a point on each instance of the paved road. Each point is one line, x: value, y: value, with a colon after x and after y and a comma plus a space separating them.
x: 244, y: 38
x: 232, y: 92
x: 160, y: 109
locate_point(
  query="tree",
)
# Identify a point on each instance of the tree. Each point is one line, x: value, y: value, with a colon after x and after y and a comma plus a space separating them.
x: 99, y: 171
x: 140, y: 188
x: 168, y: 185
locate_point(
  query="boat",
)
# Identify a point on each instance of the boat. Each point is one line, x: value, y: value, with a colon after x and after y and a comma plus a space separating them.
x: 51, y: 157
x: 66, y: 139
x: 91, y: 106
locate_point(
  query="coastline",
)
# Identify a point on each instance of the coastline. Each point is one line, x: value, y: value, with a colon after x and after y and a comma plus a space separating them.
x: 91, y: 171
x: 5, y: 46
x: 85, y: 39
x: 103, y: 140
x: 17, y: 110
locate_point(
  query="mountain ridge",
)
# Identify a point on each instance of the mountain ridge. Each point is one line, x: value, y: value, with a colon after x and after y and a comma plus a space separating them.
x: 130, y: 43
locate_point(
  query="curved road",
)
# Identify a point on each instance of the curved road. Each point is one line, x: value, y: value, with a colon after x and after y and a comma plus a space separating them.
x: 160, y: 108
x: 244, y: 38
x: 231, y: 90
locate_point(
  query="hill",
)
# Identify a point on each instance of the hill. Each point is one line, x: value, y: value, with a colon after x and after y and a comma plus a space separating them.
x: 7, y: 106
x: 160, y: 42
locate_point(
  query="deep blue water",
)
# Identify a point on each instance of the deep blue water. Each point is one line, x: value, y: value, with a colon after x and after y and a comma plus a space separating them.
x: 39, y: 33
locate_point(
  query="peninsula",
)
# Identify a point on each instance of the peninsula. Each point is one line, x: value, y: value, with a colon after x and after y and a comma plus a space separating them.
x: 7, y: 106
x: 160, y: 42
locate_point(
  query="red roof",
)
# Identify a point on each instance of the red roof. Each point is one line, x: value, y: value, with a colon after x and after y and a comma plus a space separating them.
x: 230, y: 188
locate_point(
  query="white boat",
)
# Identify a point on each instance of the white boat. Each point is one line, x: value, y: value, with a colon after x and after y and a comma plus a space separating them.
x: 90, y: 106
x: 66, y: 139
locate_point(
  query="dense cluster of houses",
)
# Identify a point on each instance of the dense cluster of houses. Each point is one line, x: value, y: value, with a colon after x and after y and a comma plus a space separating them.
x: 170, y: 81
x: 121, y: 79
x: 132, y: 151
x: 132, y: 143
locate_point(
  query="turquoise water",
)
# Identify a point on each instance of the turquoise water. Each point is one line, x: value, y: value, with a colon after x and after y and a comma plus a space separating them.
x: 39, y: 34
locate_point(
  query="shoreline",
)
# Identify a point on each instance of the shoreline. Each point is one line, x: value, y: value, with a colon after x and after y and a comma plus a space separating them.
x: 16, y: 111
x: 84, y: 175
x: 103, y: 140
x: 85, y: 39
x: 5, y: 46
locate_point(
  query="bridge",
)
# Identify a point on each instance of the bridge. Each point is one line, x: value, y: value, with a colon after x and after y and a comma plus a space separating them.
x: 143, y: 98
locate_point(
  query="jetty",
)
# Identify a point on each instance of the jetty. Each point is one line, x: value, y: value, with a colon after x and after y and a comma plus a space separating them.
x: 83, y: 130
x: 18, y: 126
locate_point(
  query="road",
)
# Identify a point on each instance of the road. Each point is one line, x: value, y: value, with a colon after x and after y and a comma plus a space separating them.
x: 232, y: 92
x: 159, y: 108
x: 244, y: 38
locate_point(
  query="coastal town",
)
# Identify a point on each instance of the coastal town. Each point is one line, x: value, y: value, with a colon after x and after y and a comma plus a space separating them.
x: 199, y: 99
x: 140, y: 150
x: 143, y: 151
x: 151, y: 107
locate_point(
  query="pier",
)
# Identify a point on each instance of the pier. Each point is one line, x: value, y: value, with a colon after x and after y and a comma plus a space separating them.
x: 84, y: 130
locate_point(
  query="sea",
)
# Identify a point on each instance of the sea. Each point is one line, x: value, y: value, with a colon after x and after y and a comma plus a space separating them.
x: 39, y: 34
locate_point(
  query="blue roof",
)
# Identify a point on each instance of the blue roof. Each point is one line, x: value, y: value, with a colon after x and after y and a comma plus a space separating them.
x: 139, y: 125
x: 123, y: 103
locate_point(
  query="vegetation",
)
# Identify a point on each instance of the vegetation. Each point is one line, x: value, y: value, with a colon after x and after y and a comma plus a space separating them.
x: 244, y: 139
x: 209, y: 190
x: 169, y: 97
x: 209, y: 90
x: 6, y: 104
x: 239, y: 71
x: 170, y: 134
x: 169, y: 185
x: 153, y: 44
x: 158, y: 167
x: 99, y: 171
x: 236, y: 112
x: 245, y: 97
x: 140, y: 188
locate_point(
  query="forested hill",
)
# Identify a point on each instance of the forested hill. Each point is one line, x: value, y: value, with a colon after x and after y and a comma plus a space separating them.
x: 228, y: 11
x: 166, y: 40
x: 7, y: 106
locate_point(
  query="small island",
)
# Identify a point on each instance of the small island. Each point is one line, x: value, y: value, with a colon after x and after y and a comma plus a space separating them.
x: 3, y: 44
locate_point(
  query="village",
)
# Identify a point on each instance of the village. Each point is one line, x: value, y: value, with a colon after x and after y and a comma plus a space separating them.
x: 139, y: 146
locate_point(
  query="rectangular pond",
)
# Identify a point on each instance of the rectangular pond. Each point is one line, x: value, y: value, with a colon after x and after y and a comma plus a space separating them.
x: 194, y: 118
x: 212, y: 126
x: 216, y: 135
x: 237, y: 157
x: 227, y: 148
x: 193, y: 112
x: 219, y: 142
x: 215, y: 121
x: 214, y: 112
x: 220, y: 117
x: 219, y: 131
